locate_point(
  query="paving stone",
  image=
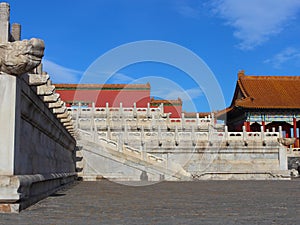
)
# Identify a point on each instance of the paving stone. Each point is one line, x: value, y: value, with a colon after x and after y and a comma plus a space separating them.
x: 203, y: 202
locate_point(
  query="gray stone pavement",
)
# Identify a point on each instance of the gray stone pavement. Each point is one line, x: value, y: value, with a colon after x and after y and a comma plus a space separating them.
x: 203, y: 202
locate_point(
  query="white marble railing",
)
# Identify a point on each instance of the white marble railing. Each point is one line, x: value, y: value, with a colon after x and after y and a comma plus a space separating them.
x: 293, y: 152
x: 120, y: 147
x: 105, y: 116
x: 190, y: 136
x: 158, y: 163
x: 88, y: 123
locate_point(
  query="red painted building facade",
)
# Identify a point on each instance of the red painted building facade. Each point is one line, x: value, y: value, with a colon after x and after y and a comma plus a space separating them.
x: 114, y: 94
x: 170, y: 106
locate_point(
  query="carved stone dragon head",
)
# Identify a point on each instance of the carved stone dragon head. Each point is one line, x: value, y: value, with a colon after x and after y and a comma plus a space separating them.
x: 20, y: 57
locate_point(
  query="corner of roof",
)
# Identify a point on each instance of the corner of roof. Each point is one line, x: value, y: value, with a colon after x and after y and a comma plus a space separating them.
x: 241, y: 77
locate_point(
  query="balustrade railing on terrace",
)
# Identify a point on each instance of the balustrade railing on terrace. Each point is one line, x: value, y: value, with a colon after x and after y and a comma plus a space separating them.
x: 137, y: 123
x: 191, y: 136
x: 145, y: 124
x: 104, y: 112
x: 155, y: 162
x: 195, y: 136
x: 134, y: 118
x: 293, y: 152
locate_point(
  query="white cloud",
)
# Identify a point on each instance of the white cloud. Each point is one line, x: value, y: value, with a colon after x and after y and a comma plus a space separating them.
x: 188, y: 96
x: 171, y: 94
x: 120, y: 78
x: 256, y: 21
x: 61, y: 74
x: 185, y: 9
x: 166, y: 88
x: 285, y: 56
x: 185, y: 95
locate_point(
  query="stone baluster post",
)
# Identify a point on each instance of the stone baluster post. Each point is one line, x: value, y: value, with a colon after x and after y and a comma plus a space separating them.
x: 77, y: 119
x: 148, y: 110
x: 107, y: 109
x: 4, y: 22
x: 142, y: 136
x: 168, y: 119
x: 120, y: 142
x: 262, y: 132
x: 159, y: 135
x: 244, y: 134
x: 143, y: 152
x: 108, y: 136
x: 182, y: 121
x: 197, y: 119
x: 93, y: 110
x: 280, y: 131
x: 209, y: 136
x: 162, y: 108
x: 125, y: 133
x: 108, y: 122
x: 226, y: 133
x: 134, y: 110
x: 153, y: 122
x: 123, y: 122
x: 193, y: 136
x: 157, y: 112
x: 137, y: 121
x: 16, y: 32
x: 121, y: 110
x: 176, y: 136
x: 92, y: 119
x: 79, y: 109
x: 95, y: 132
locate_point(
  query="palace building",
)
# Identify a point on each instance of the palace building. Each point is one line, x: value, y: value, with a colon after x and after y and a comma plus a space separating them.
x: 259, y: 101
x: 114, y: 95
x: 265, y: 101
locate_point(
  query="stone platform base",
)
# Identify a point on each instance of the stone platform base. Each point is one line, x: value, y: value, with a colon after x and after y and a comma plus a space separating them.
x: 270, y: 175
x: 19, y: 192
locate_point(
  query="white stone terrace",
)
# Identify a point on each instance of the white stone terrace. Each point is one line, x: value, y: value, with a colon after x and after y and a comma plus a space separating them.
x: 151, y: 126
x: 117, y: 118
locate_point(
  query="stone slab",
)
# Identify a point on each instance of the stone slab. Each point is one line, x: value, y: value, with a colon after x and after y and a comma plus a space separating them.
x: 19, y: 192
x: 8, y: 98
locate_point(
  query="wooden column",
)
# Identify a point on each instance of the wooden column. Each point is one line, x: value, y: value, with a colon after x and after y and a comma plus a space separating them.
x: 247, y: 126
x: 295, y: 131
x: 263, y: 123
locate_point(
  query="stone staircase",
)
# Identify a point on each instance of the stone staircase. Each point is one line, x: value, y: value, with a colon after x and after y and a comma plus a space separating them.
x: 105, y: 158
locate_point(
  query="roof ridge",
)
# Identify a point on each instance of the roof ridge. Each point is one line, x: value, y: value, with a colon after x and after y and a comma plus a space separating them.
x: 270, y: 77
x: 102, y: 85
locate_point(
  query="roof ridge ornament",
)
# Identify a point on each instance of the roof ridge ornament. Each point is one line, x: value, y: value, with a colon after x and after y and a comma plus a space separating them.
x: 241, y: 73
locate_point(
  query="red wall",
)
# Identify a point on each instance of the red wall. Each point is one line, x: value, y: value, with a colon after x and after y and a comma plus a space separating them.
x: 176, y: 110
x: 113, y: 97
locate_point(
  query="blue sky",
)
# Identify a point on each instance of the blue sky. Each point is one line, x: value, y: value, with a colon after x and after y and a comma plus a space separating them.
x: 258, y: 36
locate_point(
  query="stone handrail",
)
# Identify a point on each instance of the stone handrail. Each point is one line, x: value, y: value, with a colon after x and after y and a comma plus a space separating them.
x: 160, y: 163
x: 188, y: 136
x: 293, y: 152
x: 140, y: 116
x: 116, y: 146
